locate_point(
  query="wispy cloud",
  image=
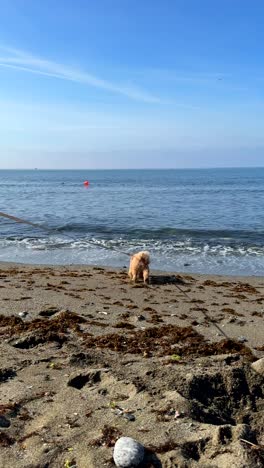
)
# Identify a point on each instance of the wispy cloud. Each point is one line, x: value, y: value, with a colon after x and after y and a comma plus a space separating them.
x: 23, y: 61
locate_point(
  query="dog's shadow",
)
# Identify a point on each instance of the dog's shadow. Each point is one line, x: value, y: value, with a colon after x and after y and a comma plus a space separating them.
x: 160, y: 280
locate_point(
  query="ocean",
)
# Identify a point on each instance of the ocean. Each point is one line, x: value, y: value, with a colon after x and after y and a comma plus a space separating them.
x: 200, y: 220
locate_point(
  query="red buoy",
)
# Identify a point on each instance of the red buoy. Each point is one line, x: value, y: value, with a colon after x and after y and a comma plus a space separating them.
x: 86, y: 183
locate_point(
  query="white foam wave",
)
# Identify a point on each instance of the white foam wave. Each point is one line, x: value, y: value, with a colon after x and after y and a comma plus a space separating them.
x: 169, y: 256
x: 165, y: 248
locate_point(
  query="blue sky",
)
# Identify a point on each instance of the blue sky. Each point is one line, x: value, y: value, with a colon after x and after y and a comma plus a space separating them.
x: 125, y: 83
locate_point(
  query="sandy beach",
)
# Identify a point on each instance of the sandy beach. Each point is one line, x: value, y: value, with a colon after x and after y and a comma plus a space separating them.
x: 87, y: 357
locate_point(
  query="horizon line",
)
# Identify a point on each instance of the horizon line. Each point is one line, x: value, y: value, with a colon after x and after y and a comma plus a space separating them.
x: 132, y: 168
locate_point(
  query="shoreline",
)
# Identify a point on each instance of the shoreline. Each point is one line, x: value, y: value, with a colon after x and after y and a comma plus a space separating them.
x: 86, y: 357
x: 125, y: 268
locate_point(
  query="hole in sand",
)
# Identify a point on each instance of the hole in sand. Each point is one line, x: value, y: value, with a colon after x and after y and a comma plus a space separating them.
x: 79, y: 381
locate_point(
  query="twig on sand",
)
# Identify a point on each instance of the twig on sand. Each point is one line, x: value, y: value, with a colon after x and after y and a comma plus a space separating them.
x: 253, y: 446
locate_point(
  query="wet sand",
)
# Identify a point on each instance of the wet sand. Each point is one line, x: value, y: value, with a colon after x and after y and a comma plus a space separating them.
x: 86, y: 357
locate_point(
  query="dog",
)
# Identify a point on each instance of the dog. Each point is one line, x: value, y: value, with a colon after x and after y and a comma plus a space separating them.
x: 139, y: 267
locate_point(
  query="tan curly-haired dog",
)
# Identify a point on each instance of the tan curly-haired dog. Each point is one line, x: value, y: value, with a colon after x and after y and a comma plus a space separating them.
x: 139, y: 267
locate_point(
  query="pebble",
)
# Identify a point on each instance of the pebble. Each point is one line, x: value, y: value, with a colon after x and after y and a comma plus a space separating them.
x: 129, y: 417
x: 23, y: 314
x: 231, y: 320
x: 4, y: 422
x: 128, y: 453
x: 140, y: 318
x: 258, y: 366
x: 242, y: 339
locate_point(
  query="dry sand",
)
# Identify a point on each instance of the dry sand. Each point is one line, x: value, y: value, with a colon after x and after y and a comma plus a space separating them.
x: 87, y: 357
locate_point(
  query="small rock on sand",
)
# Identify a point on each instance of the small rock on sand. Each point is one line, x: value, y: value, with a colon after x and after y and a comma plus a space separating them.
x: 4, y: 422
x: 23, y: 314
x: 128, y: 453
x: 258, y: 366
x: 242, y: 339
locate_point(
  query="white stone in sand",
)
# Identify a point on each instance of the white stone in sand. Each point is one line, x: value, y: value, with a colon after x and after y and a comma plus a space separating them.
x: 258, y: 366
x: 128, y: 453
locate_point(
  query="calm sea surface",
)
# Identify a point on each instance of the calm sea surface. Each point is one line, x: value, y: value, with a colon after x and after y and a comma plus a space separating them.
x: 208, y: 221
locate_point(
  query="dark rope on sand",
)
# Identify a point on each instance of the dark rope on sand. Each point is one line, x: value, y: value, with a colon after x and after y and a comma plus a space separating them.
x: 53, y: 230
x: 205, y: 314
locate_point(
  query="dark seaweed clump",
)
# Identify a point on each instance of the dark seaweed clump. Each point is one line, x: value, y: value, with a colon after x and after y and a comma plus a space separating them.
x: 40, y: 331
x: 167, y: 340
x: 108, y: 438
x: 155, y: 341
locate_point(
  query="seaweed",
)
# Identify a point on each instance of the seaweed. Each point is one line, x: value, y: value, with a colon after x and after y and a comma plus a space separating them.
x: 127, y: 325
x: 231, y: 311
x: 260, y: 348
x: 224, y: 284
x: 10, y: 409
x: 9, y: 321
x: 125, y: 315
x: 6, y: 440
x: 155, y: 318
x: 40, y: 330
x: 245, y: 287
x: 165, y: 340
x: 108, y: 438
x: 257, y: 314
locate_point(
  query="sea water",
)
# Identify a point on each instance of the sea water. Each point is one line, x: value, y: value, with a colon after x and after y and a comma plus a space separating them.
x: 200, y: 220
